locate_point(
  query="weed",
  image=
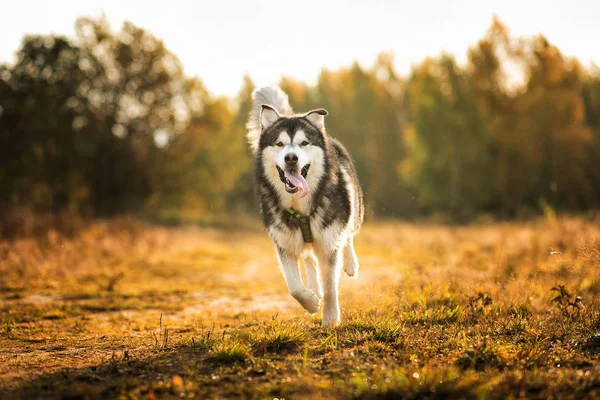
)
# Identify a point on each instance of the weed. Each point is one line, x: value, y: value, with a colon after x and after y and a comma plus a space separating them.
x: 568, y: 303
x: 229, y: 352
x: 280, y: 336
x: 204, y: 341
x: 161, y: 341
x: 479, y: 302
x: 483, y: 355
x: 388, y: 331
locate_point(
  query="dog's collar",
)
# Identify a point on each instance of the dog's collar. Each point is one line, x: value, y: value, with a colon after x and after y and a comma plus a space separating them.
x: 304, y: 221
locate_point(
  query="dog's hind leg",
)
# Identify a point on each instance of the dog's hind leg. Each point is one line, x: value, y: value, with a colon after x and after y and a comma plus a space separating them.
x: 313, y: 281
x: 291, y: 272
x: 350, y: 259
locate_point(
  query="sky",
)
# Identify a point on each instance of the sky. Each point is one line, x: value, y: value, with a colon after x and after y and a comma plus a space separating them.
x: 221, y: 40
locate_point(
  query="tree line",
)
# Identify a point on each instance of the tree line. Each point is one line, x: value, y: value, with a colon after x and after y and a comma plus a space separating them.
x: 107, y: 123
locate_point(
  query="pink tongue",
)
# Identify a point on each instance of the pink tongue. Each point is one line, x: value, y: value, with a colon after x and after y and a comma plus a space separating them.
x: 297, y: 180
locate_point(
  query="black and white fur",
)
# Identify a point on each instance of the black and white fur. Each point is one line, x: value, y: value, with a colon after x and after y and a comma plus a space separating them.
x: 334, y: 192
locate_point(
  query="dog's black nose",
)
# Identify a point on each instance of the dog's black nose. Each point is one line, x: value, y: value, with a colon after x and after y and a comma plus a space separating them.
x: 291, y: 159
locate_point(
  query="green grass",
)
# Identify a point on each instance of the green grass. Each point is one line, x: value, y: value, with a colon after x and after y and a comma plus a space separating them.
x: 279, y: 336
x: 229, y: 352
x: 126, y: 310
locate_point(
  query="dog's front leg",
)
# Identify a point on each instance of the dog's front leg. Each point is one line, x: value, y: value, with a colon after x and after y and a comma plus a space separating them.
x: 312, y: 275
x: 330, y: 266
x: 291, y: 273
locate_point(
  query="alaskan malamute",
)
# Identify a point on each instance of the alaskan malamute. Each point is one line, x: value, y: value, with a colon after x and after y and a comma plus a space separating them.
x: 310, y: 198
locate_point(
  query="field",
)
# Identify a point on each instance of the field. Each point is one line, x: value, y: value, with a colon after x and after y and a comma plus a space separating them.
x: 123, y: 309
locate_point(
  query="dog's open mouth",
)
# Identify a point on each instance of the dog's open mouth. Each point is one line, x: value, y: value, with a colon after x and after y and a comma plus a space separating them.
x: 295, y: 182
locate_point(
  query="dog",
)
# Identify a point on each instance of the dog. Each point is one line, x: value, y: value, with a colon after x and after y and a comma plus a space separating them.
x: 310, y: 199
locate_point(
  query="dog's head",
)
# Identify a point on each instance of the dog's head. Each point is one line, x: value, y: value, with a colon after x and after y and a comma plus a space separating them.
x: 292, y: 149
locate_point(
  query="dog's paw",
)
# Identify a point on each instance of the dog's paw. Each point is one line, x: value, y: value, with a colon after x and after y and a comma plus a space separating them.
x: 330, y: 321
x: 351, y: 269
x: 308, y: 300
x: 331, y: 315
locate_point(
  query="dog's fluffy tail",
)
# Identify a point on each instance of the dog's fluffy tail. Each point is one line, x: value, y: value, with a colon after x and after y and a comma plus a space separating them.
x: 272, y: 96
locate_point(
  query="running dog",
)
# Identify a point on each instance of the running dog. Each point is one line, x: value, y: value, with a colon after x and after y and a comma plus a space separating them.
x: 310, y: 199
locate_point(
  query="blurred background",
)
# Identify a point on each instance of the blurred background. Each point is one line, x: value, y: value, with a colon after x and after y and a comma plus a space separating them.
x: 452, y: 110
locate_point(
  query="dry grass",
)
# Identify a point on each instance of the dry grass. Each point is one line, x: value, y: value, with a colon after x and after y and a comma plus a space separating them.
x: 121, y: 309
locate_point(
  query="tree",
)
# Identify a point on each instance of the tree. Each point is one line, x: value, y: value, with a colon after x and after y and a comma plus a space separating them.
x: 242, y: 196
x: 591, y: 100
x: 529, y: 95
x: 552, y: 114
x: 493, y: 64
x: 367, y: 117
x: 83, y: 120
x: 135, y: 94
x: 39, y: 125
x: 448, y: 143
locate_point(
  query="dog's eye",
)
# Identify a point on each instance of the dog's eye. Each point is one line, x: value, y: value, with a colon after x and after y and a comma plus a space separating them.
x: 304, y: 143
x: 279, y: 144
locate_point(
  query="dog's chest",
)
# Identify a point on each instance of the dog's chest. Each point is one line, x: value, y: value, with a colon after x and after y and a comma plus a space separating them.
x: 292, y: 240
x: 289, y: 239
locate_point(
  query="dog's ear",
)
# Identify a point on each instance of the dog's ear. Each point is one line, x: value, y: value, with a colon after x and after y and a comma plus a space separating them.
x: 268, y: 116
x: 317, y: 117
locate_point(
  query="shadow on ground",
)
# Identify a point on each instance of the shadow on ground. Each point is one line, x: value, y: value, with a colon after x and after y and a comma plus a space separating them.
x: 178, y: 372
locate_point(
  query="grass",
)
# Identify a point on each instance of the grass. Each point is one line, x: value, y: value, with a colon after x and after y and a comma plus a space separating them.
x: 278, y: 337
x: 229, y: 352
x: 121, y: 309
